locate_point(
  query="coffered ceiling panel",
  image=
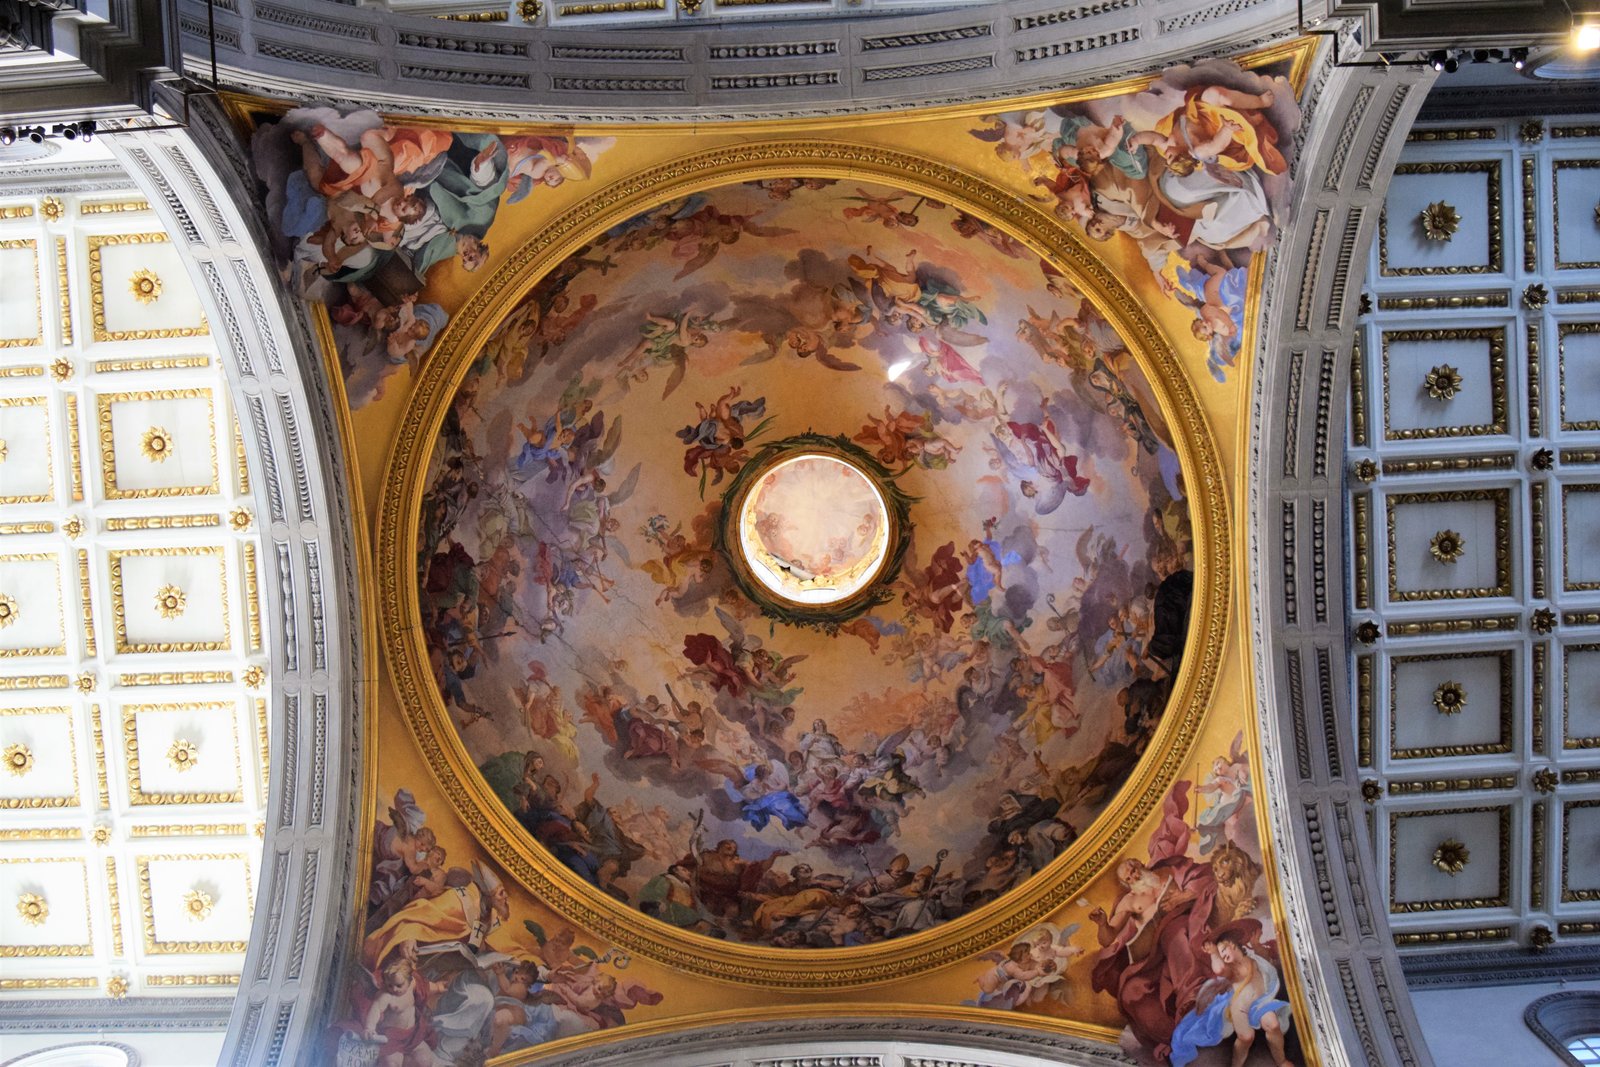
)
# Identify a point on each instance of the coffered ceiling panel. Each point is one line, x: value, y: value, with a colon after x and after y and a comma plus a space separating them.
x: 26, y: 474
x: 1452, y: 704
x: 1476, y: 602
x: 1449, y: 859
x: 1580, y: 536
x: 139, y: 290
x: 40, y: 757
x: 170, y: 599
x: 195, y: 903
x: 1580, y: 695
x: 1576, y: 200
x: 30, y: 605
x: 158, y: 443
x: 21, y: 321
x: 133, y: 685
x: 1578, y: 364
x: 185, y: 753
x: 50, y: 916
x: 1443, y: 217
x: 1449, y: 545
x: 1444, y: 382
x: 1580, y: 854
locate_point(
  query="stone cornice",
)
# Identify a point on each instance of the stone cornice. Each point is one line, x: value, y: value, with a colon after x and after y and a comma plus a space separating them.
x: 732, y: 70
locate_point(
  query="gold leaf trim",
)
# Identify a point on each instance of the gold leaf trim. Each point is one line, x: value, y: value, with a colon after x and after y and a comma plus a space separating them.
x: 487, y: 819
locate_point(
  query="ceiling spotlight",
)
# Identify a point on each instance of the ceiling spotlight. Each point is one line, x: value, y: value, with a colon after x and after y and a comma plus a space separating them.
x: 1438, y: 58
x: 8, y: 135
x: 68, y: 130
x: 86, y: 129
x: 36, y: 134
x: 1519, y: 58
x: 1480, y: 55
x: 1586, y: 38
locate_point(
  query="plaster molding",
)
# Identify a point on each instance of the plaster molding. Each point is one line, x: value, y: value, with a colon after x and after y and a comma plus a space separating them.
x: 159, y: 1014
x: 58, y: 1054
x: 910, y: 1042
x: 310, y: 867
x: 1503, y: 966
x: 1359, y: 1010
x: 730, y: 70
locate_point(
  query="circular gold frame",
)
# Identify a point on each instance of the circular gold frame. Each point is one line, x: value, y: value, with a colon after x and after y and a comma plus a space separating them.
x: 897, y: 532
x: 810, y: 969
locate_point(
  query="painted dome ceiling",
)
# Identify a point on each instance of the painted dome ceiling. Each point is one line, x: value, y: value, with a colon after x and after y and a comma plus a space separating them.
x: 715, y: 410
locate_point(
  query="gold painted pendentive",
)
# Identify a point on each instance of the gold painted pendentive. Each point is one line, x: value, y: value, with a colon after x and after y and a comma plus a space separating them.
x: 553, y: 883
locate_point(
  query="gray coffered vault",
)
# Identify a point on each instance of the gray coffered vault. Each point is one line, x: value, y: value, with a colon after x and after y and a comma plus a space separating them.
x: 1472, y: 708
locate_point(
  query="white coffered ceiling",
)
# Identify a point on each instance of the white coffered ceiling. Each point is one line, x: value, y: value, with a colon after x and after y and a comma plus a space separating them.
x: 133, y: 680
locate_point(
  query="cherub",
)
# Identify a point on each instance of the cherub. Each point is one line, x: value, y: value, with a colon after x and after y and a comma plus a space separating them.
x: 679, y: 558
x: 884, y: 209
x: 973, y: 227
x: 395, y: 1016
x: 666, y: 339
x: 698, y: 237
x: 715, y: 440
x: 1019, y: 136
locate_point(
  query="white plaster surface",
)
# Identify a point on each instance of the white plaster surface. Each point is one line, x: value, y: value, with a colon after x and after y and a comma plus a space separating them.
x: 1483, y: 1027
x: 155, y: 1050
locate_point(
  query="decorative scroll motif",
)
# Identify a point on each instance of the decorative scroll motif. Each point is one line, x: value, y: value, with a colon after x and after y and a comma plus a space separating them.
x: 1439, y: 221
x: 9, y: 612
x: 1451, y: 857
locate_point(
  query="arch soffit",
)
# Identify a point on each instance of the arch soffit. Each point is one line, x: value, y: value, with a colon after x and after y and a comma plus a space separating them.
x: 1353, y: 131
x: 316, y: 799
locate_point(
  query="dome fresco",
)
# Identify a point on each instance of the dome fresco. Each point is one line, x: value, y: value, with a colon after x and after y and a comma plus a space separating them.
x: 800, y: 779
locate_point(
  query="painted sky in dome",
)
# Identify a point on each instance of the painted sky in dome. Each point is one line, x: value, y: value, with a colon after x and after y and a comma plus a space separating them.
x: 763, y: 782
